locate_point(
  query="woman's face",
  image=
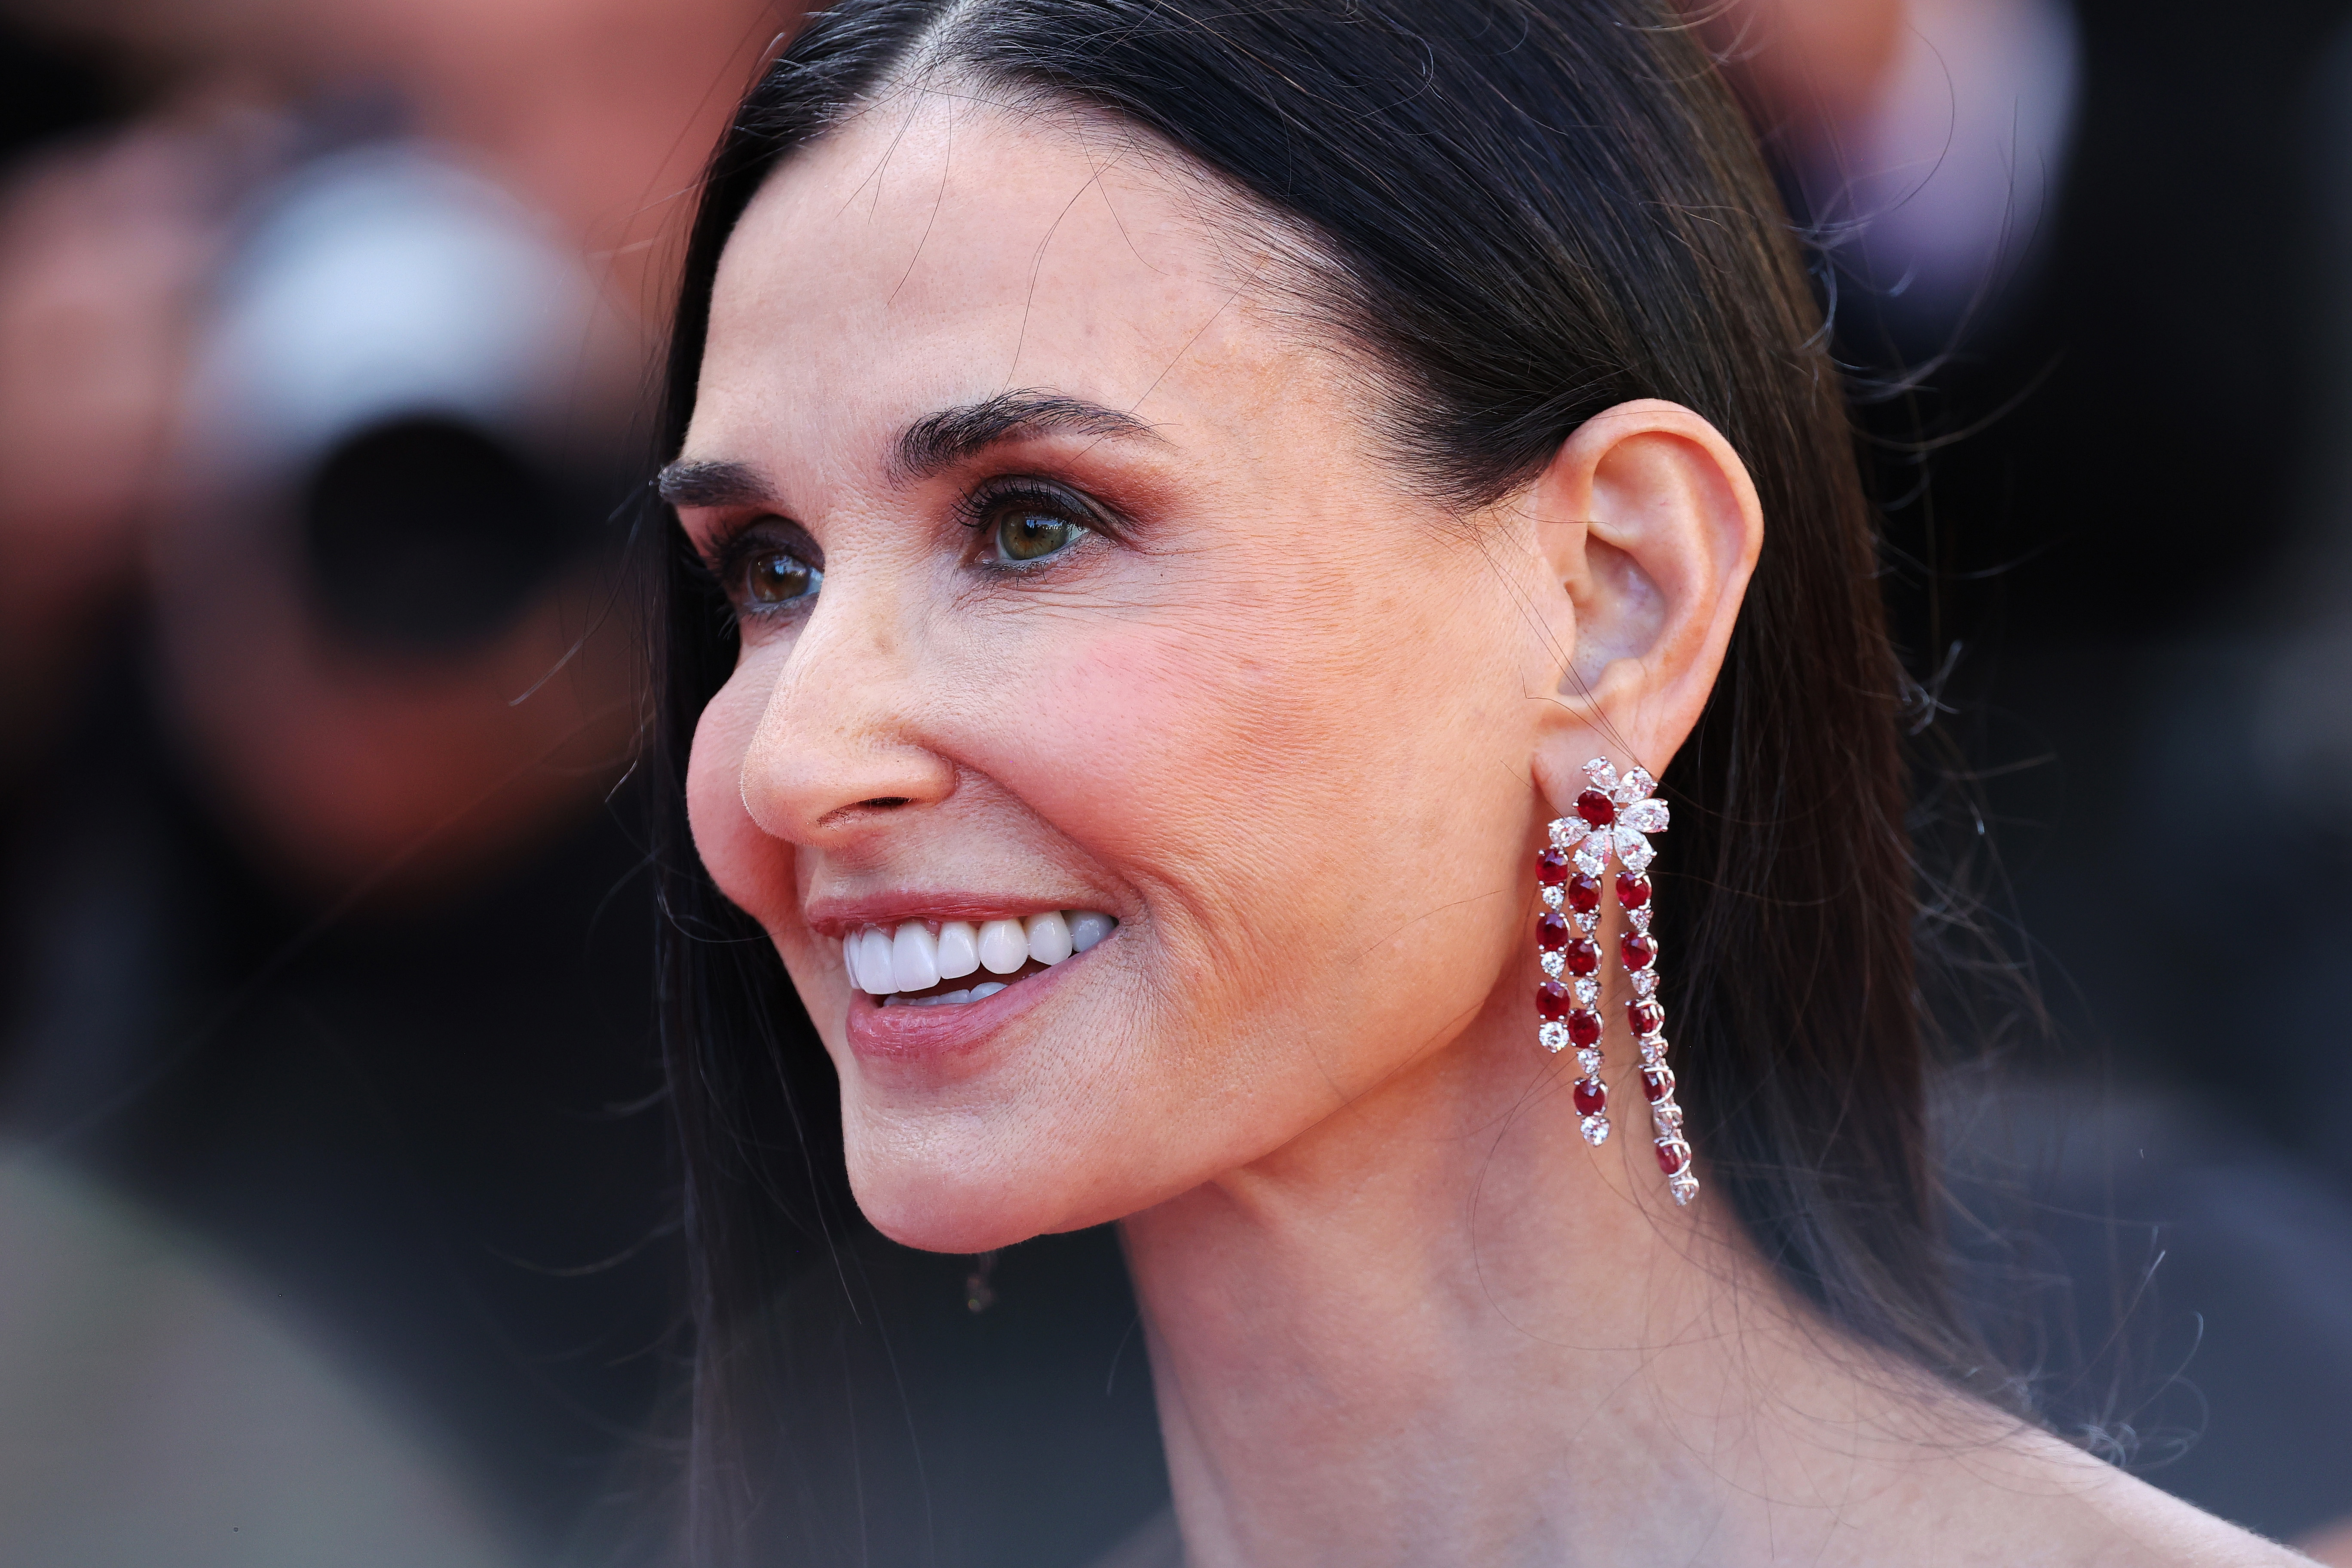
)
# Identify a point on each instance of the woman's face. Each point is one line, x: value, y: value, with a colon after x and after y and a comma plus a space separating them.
x: 1069, y: 580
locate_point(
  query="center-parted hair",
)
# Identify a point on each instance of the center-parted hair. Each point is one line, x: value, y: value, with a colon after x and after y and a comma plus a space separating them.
x: 1518, y: 213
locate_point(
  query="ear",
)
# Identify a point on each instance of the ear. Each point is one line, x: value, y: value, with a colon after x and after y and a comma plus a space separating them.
x: 1646, y: 529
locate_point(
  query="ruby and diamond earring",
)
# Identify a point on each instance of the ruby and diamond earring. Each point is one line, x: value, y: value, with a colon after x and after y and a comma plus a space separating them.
x: 1614, y: 817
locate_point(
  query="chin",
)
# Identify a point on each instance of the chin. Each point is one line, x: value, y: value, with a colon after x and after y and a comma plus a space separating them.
x: 962, y: 1200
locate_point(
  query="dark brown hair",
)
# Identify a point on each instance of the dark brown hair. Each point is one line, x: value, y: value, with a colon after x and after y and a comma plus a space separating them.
x: 1525, y: 210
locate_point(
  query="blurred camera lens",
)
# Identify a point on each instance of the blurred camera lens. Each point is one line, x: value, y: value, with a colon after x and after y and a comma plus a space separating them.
x: 427, y: 534
x: 400, y: 374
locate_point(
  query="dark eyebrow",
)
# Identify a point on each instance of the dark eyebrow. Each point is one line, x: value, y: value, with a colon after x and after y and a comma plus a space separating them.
x: 692, y: 482
x: 941, y: 440
x: 935, y: 442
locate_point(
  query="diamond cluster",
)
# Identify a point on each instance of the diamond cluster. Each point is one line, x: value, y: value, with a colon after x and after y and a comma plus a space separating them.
x: 1612, y: 820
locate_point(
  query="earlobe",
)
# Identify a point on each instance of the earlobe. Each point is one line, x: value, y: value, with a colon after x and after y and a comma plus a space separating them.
x: 1648, y: 526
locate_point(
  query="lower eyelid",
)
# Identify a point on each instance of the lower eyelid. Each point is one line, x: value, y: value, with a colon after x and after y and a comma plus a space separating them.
x: 1009, y: 564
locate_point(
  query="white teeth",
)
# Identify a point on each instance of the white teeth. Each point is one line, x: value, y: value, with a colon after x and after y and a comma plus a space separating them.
x: 914, y: 958
x: 871, y: 965
x: 889, y: 964
x: 1087, y: 927
x: 1003, y: 946
x: 958, y: 950
x: 1049, y: 937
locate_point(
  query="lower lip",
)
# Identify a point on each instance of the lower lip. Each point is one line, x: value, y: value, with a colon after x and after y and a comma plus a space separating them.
x: 907, y: 1033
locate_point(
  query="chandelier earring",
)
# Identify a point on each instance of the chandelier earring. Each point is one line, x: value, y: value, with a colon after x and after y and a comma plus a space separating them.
x: 1612, y: 820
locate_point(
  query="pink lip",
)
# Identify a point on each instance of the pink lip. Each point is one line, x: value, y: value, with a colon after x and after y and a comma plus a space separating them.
x: 882, y: 1034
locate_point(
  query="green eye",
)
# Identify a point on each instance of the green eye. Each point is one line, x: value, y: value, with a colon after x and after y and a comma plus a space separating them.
x: 1024, y: 533
x: 776, y: 578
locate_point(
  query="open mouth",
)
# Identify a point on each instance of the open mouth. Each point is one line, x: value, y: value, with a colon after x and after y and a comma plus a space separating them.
x: 945, y: 963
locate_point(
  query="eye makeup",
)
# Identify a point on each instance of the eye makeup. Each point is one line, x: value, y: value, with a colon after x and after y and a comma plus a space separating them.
x: 768, y: 566
x: 1024, y: 519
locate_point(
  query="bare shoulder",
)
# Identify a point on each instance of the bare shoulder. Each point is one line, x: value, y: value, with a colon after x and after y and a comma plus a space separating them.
x: 2095, y: 1516
x: 2153, y: 1527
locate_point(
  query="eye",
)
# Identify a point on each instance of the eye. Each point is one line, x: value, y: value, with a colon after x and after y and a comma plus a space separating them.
x: 771, y: 579
x: 1025, y: 528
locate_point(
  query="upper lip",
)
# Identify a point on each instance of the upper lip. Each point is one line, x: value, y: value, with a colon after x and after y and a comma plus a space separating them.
x: 836, y: 917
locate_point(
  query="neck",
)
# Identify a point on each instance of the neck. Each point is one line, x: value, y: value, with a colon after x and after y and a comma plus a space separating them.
x: 1440, y: 1328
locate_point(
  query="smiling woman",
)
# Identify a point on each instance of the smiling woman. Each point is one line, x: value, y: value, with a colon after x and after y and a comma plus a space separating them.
x: 1185, y: 512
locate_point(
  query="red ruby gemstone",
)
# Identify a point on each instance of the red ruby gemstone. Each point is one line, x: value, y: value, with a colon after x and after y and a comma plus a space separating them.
x: 1584, y: 893
x: 1638, y: 950
x: 1551, y: 930
x: 1584, y: 1028
x: 1671, y: 1156
x: 1583, y: 958
x: 1644, y: 1018
x: 1552, y: 867
x: 1633, y: 891
x: 1657, y: 1083
x: 1596, y: 808
x: 1551, y: 1001
x: 1591, y: 1096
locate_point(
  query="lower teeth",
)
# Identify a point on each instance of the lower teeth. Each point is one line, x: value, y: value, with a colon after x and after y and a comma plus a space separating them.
x: 949, y: 999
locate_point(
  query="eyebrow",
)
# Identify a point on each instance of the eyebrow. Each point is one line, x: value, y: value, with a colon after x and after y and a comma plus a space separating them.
x: 714, y: 482
x: 930, y: 445
x: 939, y: 441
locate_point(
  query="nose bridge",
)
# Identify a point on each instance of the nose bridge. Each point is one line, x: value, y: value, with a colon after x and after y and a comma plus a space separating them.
x: 837, y: 744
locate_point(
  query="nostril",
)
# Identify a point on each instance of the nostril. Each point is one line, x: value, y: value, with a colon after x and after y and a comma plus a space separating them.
x: 886, y: 801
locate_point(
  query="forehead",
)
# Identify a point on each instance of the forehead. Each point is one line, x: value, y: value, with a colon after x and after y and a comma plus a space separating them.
x: 936, y: 250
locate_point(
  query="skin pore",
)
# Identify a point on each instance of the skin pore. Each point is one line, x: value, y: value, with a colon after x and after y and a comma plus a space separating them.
x: 1073, y: 576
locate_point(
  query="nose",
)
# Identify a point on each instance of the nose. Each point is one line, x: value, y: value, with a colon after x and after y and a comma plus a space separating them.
x: 838, y: 748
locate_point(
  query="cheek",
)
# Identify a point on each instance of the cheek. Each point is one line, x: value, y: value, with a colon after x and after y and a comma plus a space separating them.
x: 1284, y: 797
x: 1148, y: 745
x: 1250, y: 747
x: 750, y: 866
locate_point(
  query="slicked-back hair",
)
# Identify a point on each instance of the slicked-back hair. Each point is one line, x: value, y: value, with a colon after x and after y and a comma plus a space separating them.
x: 1519, y: 213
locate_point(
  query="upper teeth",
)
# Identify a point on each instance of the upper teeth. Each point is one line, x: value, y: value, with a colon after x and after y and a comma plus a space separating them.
x: 909, y: 958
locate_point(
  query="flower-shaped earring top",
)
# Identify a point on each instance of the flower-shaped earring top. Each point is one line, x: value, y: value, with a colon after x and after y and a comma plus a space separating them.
x: 1615, y: 815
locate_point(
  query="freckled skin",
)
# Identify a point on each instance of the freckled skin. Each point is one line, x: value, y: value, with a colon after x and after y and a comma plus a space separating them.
x: 1197, y: 728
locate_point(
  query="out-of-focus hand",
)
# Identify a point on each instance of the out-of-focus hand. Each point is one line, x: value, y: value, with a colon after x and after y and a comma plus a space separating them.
x: 104, y: 249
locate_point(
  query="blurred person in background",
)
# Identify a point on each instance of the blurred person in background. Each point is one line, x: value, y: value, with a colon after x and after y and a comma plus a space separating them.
x: 334, y: 1211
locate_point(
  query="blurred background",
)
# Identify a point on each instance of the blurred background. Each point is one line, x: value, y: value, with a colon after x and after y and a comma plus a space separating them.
x: 334, y: 1203
x: 335, y: 1210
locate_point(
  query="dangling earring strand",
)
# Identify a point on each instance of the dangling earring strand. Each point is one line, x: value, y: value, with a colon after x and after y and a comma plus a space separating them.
x: 1613, y: 819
